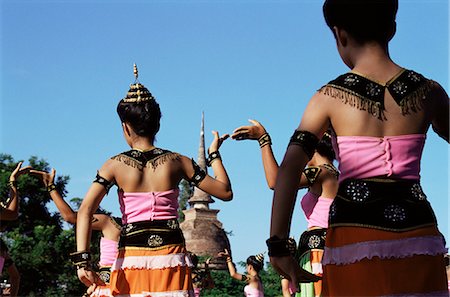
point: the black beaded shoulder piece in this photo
(408, 88)
(311, 173)
(331, 169)
(140, 159)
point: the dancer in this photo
(14, 276)
(382, 238)
(201, 278)
(108, 226)
(254, 265)
(9, 209)
(321, 178)
(152, 257)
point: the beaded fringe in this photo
(159, 160)
(416, 100)
(354, 100)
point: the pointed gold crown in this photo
(137, 93)
(260, 257)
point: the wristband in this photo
(51, 187)
(12, 184)
(81, 259)
(264, 140)
(212, 157)
(279, 247)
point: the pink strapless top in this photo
(316, 210)
(252, 292)
(148, 206)
(108, 251)
(367, 156)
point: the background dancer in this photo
(201, 278)
(152, 256)
(381, 225)
(321, 178)
(254, 265)
(9, 209)
(107, 225)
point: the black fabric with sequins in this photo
(151, 234)
(311, 240)
(408, 89)
(311, 173)
(388, 205)
(199, 174)
(307, 140)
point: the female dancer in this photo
(152, 257)
(9, 210)
(321, 178)
(382, 238)
(255, 264)
(201, 278)
(101, 222)
(14, 276)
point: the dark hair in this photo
(364, 20)
(257, 265)
(325, 147)
(194, 259)
(142, 116)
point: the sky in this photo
(66, 64)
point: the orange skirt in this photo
(101, 291)
(370, 262)
(156, 272)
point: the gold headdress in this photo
(137, 93)
(260, 257)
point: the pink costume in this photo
(392, 214)
(252, 292)
(108, 254)
(156, 263)
(316, 210)
(368, 156)
(148, 206)
(108, 251)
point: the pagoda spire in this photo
(201, 199)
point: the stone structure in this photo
(202, 230)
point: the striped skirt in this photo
(152, 262)
(383, 240)
(370, 262)
(142, 272)
(101, 291)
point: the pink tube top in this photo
(148, 206)
(108, 251)
(252, 292)
(316, 210)
(368, 156)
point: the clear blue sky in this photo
(66, 64)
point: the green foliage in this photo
(186, 191)
(37, 242)
(225, 285)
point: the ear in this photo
(126, 128)
(341, 36)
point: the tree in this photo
(37, 242)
